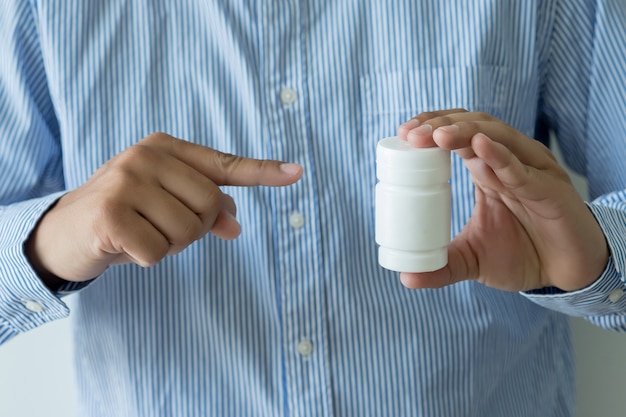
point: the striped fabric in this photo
(295, 317)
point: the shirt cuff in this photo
(25, 301)
(607, 295)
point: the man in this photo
(295, 317)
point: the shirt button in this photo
(288, 96)
(296, 220)
(305, 347)
(33, 306)
(615, 295)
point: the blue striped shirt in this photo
(295, 317)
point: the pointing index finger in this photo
(227, 169)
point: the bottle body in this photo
(413, 206)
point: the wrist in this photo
(50, 280)
(32, 253)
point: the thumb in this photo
(459, 268)
(435, 279)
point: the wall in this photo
(37, 374)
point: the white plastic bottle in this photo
(413, 203)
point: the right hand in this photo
(530, 229)
(152, 200)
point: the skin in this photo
(150, 201)
(530, 229)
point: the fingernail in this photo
(230, 214)
(423, 130)
(411, 124)
(291, 169)
(450, 129)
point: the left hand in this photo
(530, 228)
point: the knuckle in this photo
(190, 232)
(445, 120)
(208, 209)
(137, 155)
(174, 146)
(211, 198)
(440, 114)
(164, 143)
(227, 159)
(440, 121)
(427, 114)
(108, 211)
(481, 115)
(469, 125)
(424, 116)
(110, 217)
(158, 138)
(121, 178)
(155, 255)
(263, 165)
(228, 164)
(107, 223)
(119, 181)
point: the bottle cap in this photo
(400, 163)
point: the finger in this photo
(229, 205)
(199, 193)
(196, 191)
(434, 279)
(447, 126)
(529, 151)
(508, 169)
(421, 136)
(226, 169)
(447, 117)
(226, 226)
(429, 115)
(173, 219)
(133, 235)
(182, 227)
(524, 182)
(455, 132)
(183, 204)
(462, 265)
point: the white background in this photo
(37, 375)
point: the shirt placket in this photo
(297, 240)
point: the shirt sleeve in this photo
(30, 168)
(584, 100)
(603, 302)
